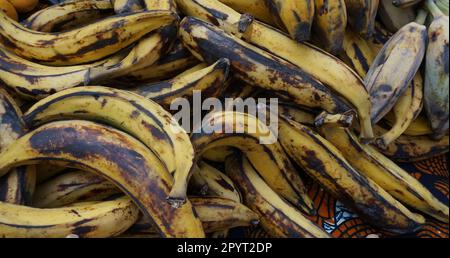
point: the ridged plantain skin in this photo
(257, 67)
(394, 68)
(177, 60)
(361, 15)
(325, 67)
(72, 187)
(296, 17)
(215, 213)
(89, 43)
(269, 159)
(277, 216)
(396, 181)
(117, 156)
(437, 76)
(413, 148)
(330, 23)
(325, 164)
(100, 219)
(209, 80)
(142, 118)
(68, 15)
(18, 186)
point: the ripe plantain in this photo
(296, 17)
(321, 65)
(117, 156)
(256, 8)
(396, 181)
(217, 154)
(269, 159)
(330, 23)
(101, 219)
(257, 67)
(68, 15)
(325, 164)
(394, 68)
(18, 186)
(72, 187)
(436, 73)
(209, 80)
(89, 43)
(142, 118)
(413, 148)
(358, 53)
(127, 6)
(418, 127)
(361, 15)
(277, 216)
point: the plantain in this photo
(436, 73)
(330, 23)
(361, 15)
(117, 156)
(325, 164)
(142, 118)
(18, 186)
(393, 179)
(257, 67)
(321, 65)
(128, 6)
(395, 18)
(68, 15)
(89, 43)
(257, 8)
(72, 187)
(244, 132)
(394, 68)
(418, 127)
(209, 80)
(405, 3)
(296, 17)
(277, 216)
(100, 219)
(357, 52)
(217, 154)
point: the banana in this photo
(238, 89)
(321, 65)
(48, 169)
(361, 15)
(405, 111)
(102, 219)
(72, 187)
(256, 8)
(160, 5)
(277, 216)
(297, 114)
(127, 6)
(68, 14)
(257, 67)
(436, 72)
(418, 127)
(269, 159)
(394, 68)
(358, 53)
(213, 182)
(89, 43)
(413, 148)
(405, 3)
(142, 118)
(443, 5)
(176, 61)
(120, 158)
(325, 164)
(18, 186)
(296, 17)
(396, 181)
(216, 214)
(209, 80)
(217, 154)
(395, 18)
(330, 23)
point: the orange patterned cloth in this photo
(339, 221)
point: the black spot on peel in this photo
(11, 118)
(360, 56)
(445, 58)
(135, 114)
(385, 88)
(83, 231)
(302, 31)
(225, 184)
(81, 222)
(154, 131)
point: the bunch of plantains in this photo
(90, 144)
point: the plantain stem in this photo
(433, 8)
(421, 16)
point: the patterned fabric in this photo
(340, 221)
